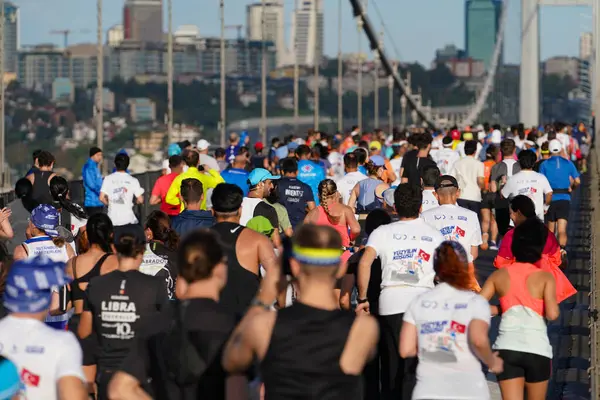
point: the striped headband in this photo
(323, 257)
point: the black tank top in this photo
(76, 292)
(41, 190)
(303, 358)
(242, 284)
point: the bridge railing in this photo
(594, 322)
(147, 180)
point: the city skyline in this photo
(445, 24)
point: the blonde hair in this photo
(327, 192)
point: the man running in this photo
(352, 177)
(430, 177)
(563, 177)
(295, 196)
(469, 173)
(309, 172)
(445, 158)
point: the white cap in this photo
(496, 136)
(165, 165)
(555, 146)
(202, 144)
(479, 128)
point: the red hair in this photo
(452, 268)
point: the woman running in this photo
(447, 328)
(527, 297)
(72, 215)
(160, 257)
(367, 195)
(333, 213)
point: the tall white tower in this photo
(274, 25)
(308, 41)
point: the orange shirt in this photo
(487, 171)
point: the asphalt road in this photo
(569, 335)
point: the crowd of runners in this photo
(319, 267)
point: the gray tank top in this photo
(367, 199)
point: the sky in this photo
(418, 27)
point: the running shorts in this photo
(517, 364)
(488, 201)
(558, 210)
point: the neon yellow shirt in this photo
(208, 182)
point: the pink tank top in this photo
(342, 230)
(519, 295)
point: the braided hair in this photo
(327, 193)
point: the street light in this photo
(263, 119)
(170, 72)
(376, 80)
(223, 100)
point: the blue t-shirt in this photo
(238, 177)
(312, 174)
(281, 152)
(558, 171)
(294, 195)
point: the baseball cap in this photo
(445, 181)
(555, 146)
(165, 165)
(30, 282)
(261, 224)
(455, 135)
(259, 175)
(467, 136)
(377, 160)
(375, 145)
(388, 196)
(173, 149)
(202, 144)
(258, 146)
(45, 218)
(10, 381)
(292, 145)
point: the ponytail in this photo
(327, 191)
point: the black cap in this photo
(446, 181)
(94, 151)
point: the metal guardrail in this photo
(594, 324)
(147, 180)
(7, 197)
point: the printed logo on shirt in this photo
(433, 327)
(29, 378)
(118, 313)
(441, 341)
(460, 306)
(423, 256)
(453, 232)
(461, 218)
(35, 349)
(307, 168)
(404, 254)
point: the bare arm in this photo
(311, 205)
(364, 275)
(125, 387)
(550, 303)
(103, 198)
(6, 230)
(352, 223)
(269, 286)
(71, 388)
(475, 252)
(247, 341)
(85, 325)
(154, 200)
(548, 198)
(311, 217)
(481, 182)
(20, 253)
(480, 343)
(353, 197)
(408, 340)
(489, 290)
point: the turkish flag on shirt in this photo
(29, 378)
(423, 255)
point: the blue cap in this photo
(45, 217)
(30, 282)
(10, 382)
(292, 145)
(377, 160)
(259, 175)
(174, 150)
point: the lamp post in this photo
(317, 60)
(376, 81)
(170, 72)
(359, 94)
(223, 100)
(340, 71)
(263, 119)
(296, 71)
(99, 81)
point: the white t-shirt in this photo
(466, 171)
(346, 183)
(396, 164)
(429, 200)
(531, 184)
(460, 148)
(457, 224)
(405, 249)
(42, 354)
(445, 159)
(205, 159)
(337, 164)
(442, 317)
(121, 189)
(564, 139)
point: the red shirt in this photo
(160, 189)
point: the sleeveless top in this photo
(76, 292)
(242, 285)
(367, 198)
(323, 219)
(303, 357)
(41, 190)
(522, 327)
(157, 262)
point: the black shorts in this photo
(558, 210)
(488, 201)
(474, 206)
(517, 364)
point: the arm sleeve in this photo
(480, 309)
(409, 315)
(156, 190)
(574, 173)
(173, 192)
(284, 221)
(480, 170)
(105, 188)
(70, 359)
(376, 238)
(91, 180)
(546, 188)
(507, 189)
(216, 177)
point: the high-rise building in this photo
(115, 35)
(11, 37)
(482, 20)
(143, 20)
(41, 65)
(586, 45)
(308, 42)
(274, 25)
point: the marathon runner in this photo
(353, 176)
(430, 177)
(489, 228)
(294, 195)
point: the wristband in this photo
(362, 301)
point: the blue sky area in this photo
(418, 27)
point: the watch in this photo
(362, 301)
(256, 302)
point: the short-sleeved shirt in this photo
(346, 183)
(507, 167)
(467, 171)
(442, 317)
(559, 171)
(414, 166)
(253, 207)
(282, 216)
(160, 189)
(531, 184)
(238, 177)
(312, 174)
(43, 355)
(121, 189)
(294, 195)
(124, 305)
(429, 200)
